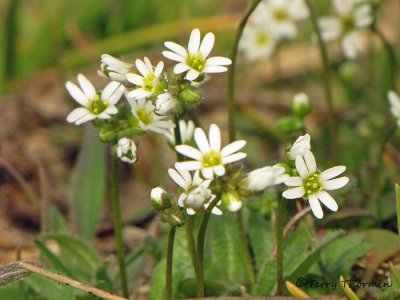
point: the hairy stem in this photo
(326, 76)
(170, 249)
(280, 245)
(190, 239)
(231, 75)
(116, 209)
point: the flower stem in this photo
(116, 209)
(200, 249)
(280, 245)
(190, 238)
(170, 249)
(231, 75)
(326, 76)
(178, 137)
(247, 257)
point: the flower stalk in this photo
(170, 252)
(116, 209)
(326, 76)
(280, 245)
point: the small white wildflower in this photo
(209, 158)
(312, 184)
(143, 111)
(258, 42)
(300, 146)
(95, 105)
(186, 129)
(351, 18)
(394, 101)
(262, 178)
(148, 79)
(281, 16)
(196, 195)
(114, 68)
(126, 150)
(165, 104)
(231, 200)
(157, 196)
(194, 60)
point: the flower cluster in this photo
(153, 94)
(351, 16)
(271, 22)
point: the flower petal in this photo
(201, 140)
(109, 90)
(173, 56)
(327, 200)
(301, 166)
(219, 170)
(176, 48)
(215, 69)
(294, 181)
(234, 157)
(214, 136)
(218, 61)
(335, 184)
(140, 65)
(194, 41)
(159, 68)
(294, 193)
(86, 118)
(178, 179)
(76, 114)
(87, 87)
(77, 94)
(207, 44)
(207, 173)
(192, 75)
(332, 172)
(232, 147)
(216, 211)
(189, 151)
(315, 206)
(180, 68)
(135, 79)
(190, 165)
(310, 162)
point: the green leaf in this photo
(212, 288)
(88, 185)
(13, 291)
(398, 207)
(79, 257)
(49, 289)
(224, 258)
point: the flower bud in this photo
(107, 135)
(260, 179)
(290, 124)
(165, 104)
(126, 150)
(231, 200)
(301, 106)
(189, 95)
(158, 196)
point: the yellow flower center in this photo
(97, 106)
(348, 23)
(148, 82)
(211, 159)
(281, 14)
(196, 61)
(262, 39)
(145, 116)
(312, 184)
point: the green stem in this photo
(200, 249)
(231, 75)
(178, 137)
(190, 238)
(390, 54)
(326, 76)
(116, 209)
(247, 257)
(170, 249)
(280, 245)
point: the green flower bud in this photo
(189, 95)
(301, 106)
(290, 124)
(231, 200)
(158, 198)
(108, 134)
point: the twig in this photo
(68, 281)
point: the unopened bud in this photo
(231, 200)
(108, 135)
(189, 95)
(158, 196)
(301, 106)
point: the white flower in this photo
(209, 158)
(312, 184)
(300, 146)
(258, 42)
(351, 18)
(260, 179)
(231, 200)
(143, 111)
(95, 105)
(165, 103)
(394, 105)
(126, 150)
(114, 68)
(147, 81)
(157, 196)
(281, 16)
(186, 129)
(194, 60)
(196, 195)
